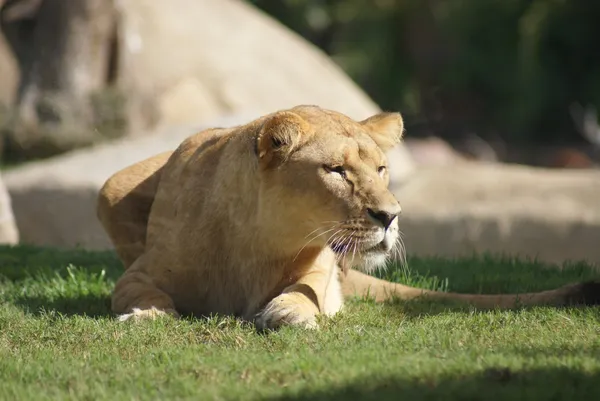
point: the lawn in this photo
(58, 340)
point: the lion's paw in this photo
(143, 314)
(288, 309)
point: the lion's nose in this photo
(385, 217)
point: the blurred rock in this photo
(472, 147)
(557, 157)
(570, 158)
(9, 81)
(549, 214)
(189, 61)
(55, 109)
(8, 228)
(432, 151)
(9, 74)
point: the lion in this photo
(277, 222)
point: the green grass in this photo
(58, 340)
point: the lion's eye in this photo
(381, 170)
(336, 170)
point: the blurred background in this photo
(499, 98)
(518, 80)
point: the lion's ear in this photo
(280, 135)
(386, 129)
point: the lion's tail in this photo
(124, 204)
(359, 284)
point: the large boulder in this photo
(549, 214)
(9, 76)
(193, 60)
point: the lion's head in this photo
(324, 177)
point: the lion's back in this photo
(128, 197)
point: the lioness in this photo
(258, 220)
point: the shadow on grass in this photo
(43, 280)
(89, 305)
(493, 384)
(25, 261)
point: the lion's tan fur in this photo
(220, 225)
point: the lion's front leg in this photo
(290, 308)
(136, 297)
(316, 292)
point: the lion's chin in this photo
(367, 261)
(372, 260)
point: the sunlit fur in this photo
(265, 221)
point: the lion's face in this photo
(326, 177)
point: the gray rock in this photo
(9, 74)
(192, 61)
(9, 235)
(552, 215)
(432, 151)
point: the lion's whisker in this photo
(402, 249)
(340, 242)
(321, 228)
(343, 251)
(354, 250)
(311, 240)
(333, 238)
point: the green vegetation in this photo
(58, 340)
(511, 68)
